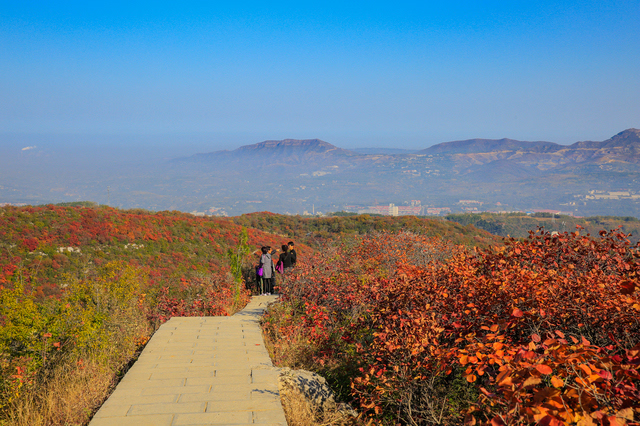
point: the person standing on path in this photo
(293, 254)
(273, 269)
(284, 266)
(259, 270)
(267, 269)
(286, 257)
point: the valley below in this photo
(298, 176)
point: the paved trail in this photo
(200, 371)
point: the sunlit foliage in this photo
(315, 231)
(87, 286)
(540, 331)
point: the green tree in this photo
(237, 257)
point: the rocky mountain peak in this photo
(315, 145)
(627, 136)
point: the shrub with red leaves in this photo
(544, 330)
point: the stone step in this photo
(200, 371)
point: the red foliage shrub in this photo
(541, 330)
(198, 297)
(30, 243)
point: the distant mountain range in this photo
(488, 157)
(623, 147)
(584, 178)
(620, 150)
(516, 174)
(384, 151)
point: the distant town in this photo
(412, 208)
(416, 207)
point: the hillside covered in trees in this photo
(419, 321)
(316, 230)
(518, 225)
(82, 288)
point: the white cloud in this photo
(26, 148)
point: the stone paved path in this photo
(200, 371)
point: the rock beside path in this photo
(316, 393)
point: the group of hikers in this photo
(268, 266)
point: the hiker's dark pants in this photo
(268, 284)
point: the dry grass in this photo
(300, 412)
(292, 350)
(69, 398)
(77, 384)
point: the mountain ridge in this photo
(293, 175)
(486, 160)
(627, 138)
(477, 145)
(273, 153)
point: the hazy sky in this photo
(396, 74)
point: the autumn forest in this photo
(411, 320)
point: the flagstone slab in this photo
(200, 371)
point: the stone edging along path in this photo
(200, 371)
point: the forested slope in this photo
(40, 244)
(316, 230)
(83, 288)
(518, 225)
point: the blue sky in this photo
(394, 74)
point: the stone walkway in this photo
(200, 371)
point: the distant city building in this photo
(611, 195)
(435, 211)
(409, 210)
(391, 210)
(386, 210)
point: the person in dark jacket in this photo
(293, 254)
(286, 257)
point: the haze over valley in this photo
(298, 176)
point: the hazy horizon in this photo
(96, 98)
(174, 145)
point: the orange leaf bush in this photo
(544, 330)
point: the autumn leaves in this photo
(544, 330)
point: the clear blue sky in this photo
(395, 74)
